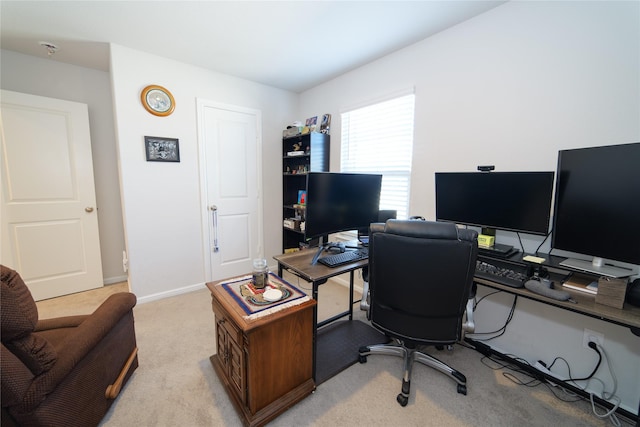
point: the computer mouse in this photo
(546, 282)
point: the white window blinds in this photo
(378, 138)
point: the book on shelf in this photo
(582, 284)
(292, 223)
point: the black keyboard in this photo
(502, 275)
(344, 258)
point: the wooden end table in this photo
(265, 364)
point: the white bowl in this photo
(272, 295)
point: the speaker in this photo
(384, 215)
(633, 293)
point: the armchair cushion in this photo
(35, 352)
(19, 318)
(80, 341)
(14, 386)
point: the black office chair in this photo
(420, 283)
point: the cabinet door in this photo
(222, 345)
(237, 371)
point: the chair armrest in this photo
(469, 324)
(364, 302)
(86, 336)
(60, 322)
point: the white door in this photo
(49, 218)
(231, 172)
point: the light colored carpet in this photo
(175, 384)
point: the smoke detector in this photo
(50, 47)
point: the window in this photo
(378, 138)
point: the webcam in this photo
(486, 168)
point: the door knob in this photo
(88, 209)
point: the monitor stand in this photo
(597, 266)
(318, 253)
(340, 247)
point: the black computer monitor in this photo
(340, 202)
(597, 207)
(512, 201)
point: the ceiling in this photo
(292, 45)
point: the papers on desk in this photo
(582, 284)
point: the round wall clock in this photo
(157, 100)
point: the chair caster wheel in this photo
(462, 389)
(402, 399)
(362, 359)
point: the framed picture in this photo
(162, 149)
(326, 122)
(311, 124)
(302, 197)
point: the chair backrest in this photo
(420, 276)
(18, 319)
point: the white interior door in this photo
(232, 193)
(49, 217)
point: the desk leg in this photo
(314, 295)
(351, 276)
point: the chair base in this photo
(409, 355)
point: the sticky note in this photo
(535, 259)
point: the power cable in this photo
(501, 330)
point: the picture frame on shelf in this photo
(160, 149)
(302, 197)
(311, 123)
(325, 124)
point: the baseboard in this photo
(345, 283)
(171, 293)
(112, 280)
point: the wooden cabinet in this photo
(301, 154)
(265, 364)
(230, 354)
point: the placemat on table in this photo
(251, 301)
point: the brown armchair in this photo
(65, 371)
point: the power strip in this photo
(540, 367)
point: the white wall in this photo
(46, 77)
(510, 88)
(161, 201)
